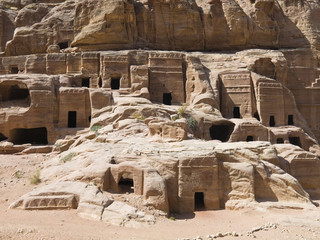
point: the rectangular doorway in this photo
(72, 119)
(199, 201)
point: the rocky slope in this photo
(143, 132)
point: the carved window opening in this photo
(280, 140)
(100, 82)
(295, 141)
(272, 122)
(249, 138)
(290, 120)
(115, 83)
(2, 137)
(85, 82)
(14, 70)
(36, 136)
(126, 185)
(167, 98)
(63, 45)
(199, 201)
(89, 119)
(236, 112)
(72, 119)
(221, 132)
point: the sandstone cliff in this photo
(169, 25)
(174, 104)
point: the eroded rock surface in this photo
(140, 124)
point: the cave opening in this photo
(14, 94)
(126, 185)
(115, 83)
(280, 140)
(199, 201)
(63, 45)
(18, 92)
(221, 132)
(2, 137)
(85, 82)
(167, 98)
(249, 138)
(295, 141)
(35, 136)
(14, 70)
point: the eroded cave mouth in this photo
(295, 141)
(167, 98)
(14, 94)
(35, 136)
(126, 185)
(2, 137)
(221, 132)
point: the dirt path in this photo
(15, 171)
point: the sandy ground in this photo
(15, 171)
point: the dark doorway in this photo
(100, 82)
(89, 119)
(14, 70)
(85, 82)
(249, 139)
(272, 122)
(2, 137)
(256, 116)
(37, 136)
(221, 132)
(236, 112)
(199, 201)
(290, 120)
(126, 185)
(167, 98)
(295, 141)
(280, 140)
(115, 83)
(63, 45)
(72, 119)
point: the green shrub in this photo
(182, 111)
(139, 116)
(95, 128)
(172, 218)
(192, 123)
(68, 157)
(35, 179)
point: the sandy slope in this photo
(15, 171)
